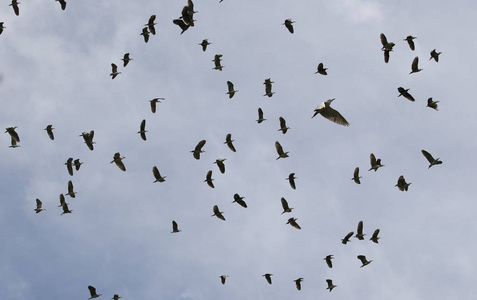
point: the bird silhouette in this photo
(331, 286)
(154, 102)
(291, 178)
(286, 208)
(321, 69)
(209, 179)
(289, 25)
(175, 228)
(435, 55)
(360, 235)
(432, 161)
(260, 116)
(181, 24)
(49, 131)
(268, 87)
(293, 223)
(198, 149)
(126, 59)
(117, 159)
(204, 44)
(150, 24)
(231, 91)
(62, 3)
(281, 153)
(356, 176)
(114, 71)
(14, 5)
(142, 130)
(239, 200)
(93, 293)
(157, 175)
(283, 125)
(329, 113)
(363, 260)
(220, 164)
(268, 277)
(39, 206)
(69, 166)
(402, 184)
(328, 259)
(405, 93)
(345, 240)
(375, 163)
(217, 62)
(66, 209)
(298, 283)
(414, 65)
(432, 104)
(410, 41)
(375, 237)
(222, 278)
(218, 213)
(71, 191)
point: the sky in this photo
(55, 70)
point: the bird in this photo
(229, 142)
(435, 55)
(331, 286)
(281, 153)
(298, 283)
(77, 164)
(360, 235)
(157, 175)
(71, 191)
(431, 159)
(345, 240)
(268, 87)
(328, 259)
(66, 209)
(283, 125)
(292, 222)
(410, 41)
(114, 71)
(404, 92)
(331, 114)
(49, 131)
(363, 260)
(375, 237)
(286, 208)
(414, 66)
(218, 213)
(126, 59)
(209, 179)
(356, 176)
(116, 297)
(117, 159)
(175, 229)
(375, 163)
(63, 4)
(145, 34)
(217, 63)
(11, 131)
(198, 149)
(150, 24)
(289, 25)
(187, 14)
(69, 166)
(222, 278)
(154, 102)
(142, 130)
(321, 69)
(204, 44)
(260, 116)
(39, 207)
(14, 5)
(432, 104)
(2, 27)
(291, 178)
(231, 91)
(62, 200)
(239, 200)
(268, 277)
(220, 164)
(88, 139)
(386, 45)
(93, 293)
(181, 24)
(402, 184)
(386, 55)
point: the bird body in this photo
(217, 62)
(77, 164)
(239, 200)
(88, 139)
(298, 283)
(117, 159)
(405, 93)
(222, 278)
(62, 3)
(329, 113)
(286, 208)
(289, 25)
(268, 277)
(218, 213)
(157, 175)
(49, 131)
(433, 161)
(13, 134)
(402, 184)
(363, 260)
(204, 44)
(198, 149)
(268, 87)
(62, 200)
(181, 24)
(293, 223)
(71, 191)
(145, 34)
(66, 209)
(387, 46)
(175, 228)
(321, 69)
(2, 27)
(116, 297)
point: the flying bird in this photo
(331, 114)
(198, 149)
(229, 142)
(414, 66)
(321, 69)
(126, 59)
(39, 207)
(77, 164)
(88, 139)
(63, 4)
(217, 62)
(375, 237)
(230, 87)
(435, 55)
(222, 278)
(283, 125)
(220, 164)
(292, 222)
(404, 92)
(93, 293)
(291, 178)
(432, 104)
(150, 24)
(431, 159)
(298, 283)
(116, 297)
(71, 191)
(260, 116)
(402, 184)
(218, 213)
(2, 27)
(331, 286)
(281, 153)
(410, 41)
(204, 44)
(268, 277)
(181, 24)
(268, 87)
(209, 179)
(157, 175)
(239, 200)
(117, 159)
(356, 176)
(154, 102)
(387, 46)
(14, 5)
(114, 71)
(286, 208)
(49, 131)
(360, 235)
(142, 130)
(66, 209)
(62, 200)
(345, 240)
(69, 166)
(363, 260)
(289, 25)
(328, 259)
(11, 131)
(145, 34)
(187, 14)
(375, 163)
(175, 228)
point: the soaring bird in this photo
(283, 125)
(217, 62)
(69, 166)
(209, 179)
(268, 87)
(410, 41)
(63, 4)
(175, 228)
(435, 55)
(375, 237)
(387, 46)
(114, 71)
(331, 286)
(286, 208)
(77, 164)
(321, 69)
(431, 159)
(363, 260)
(414, 66)
(298, 283)
(71, 191)
(62, 200)
(291, 178)
(328, 259)
(229, 142)
(154, 102)
(117, 159)
(375, 163)
(88, 139)
(93, 293)
(218, 213)
(289, 25)
(404, 92)
(360, 235)
(126, 59)
(292, 222)
(402, 184)
(2, 27)
(66, 209)
(268, 277)
(38, 206)
(150, 24)
(11, 131)
(356, 176)
(198, 149)
(222, 278)
(432, 104)
(116, 297)
(14, 5)
(145, 34)
(345, 240)
(157, 175)
(142, 130)
(281, 153)
(331, 114)
(220, 164)
(239, 200)
(230, 87)
(49, 131)
(204, 44)
(260, 116)
(181, 24)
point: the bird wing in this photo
(372, 160)
(156, 173)
(285, 204)
(174, 226)
(38, 204)
(428, 156)
(360, 227)
(415, 63)
(92, 290)
(334, 116)
(384, 40)
(279, 148)
(200, 145)
(375, 234)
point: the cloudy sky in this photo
(55, 70)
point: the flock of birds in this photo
(185, 21)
